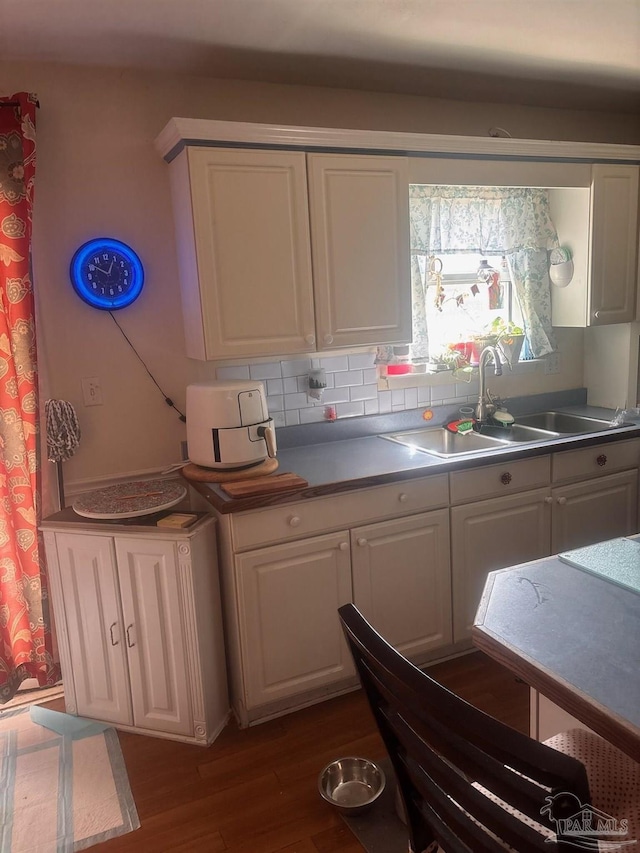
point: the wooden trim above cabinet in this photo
(181, 132)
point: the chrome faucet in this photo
(484, 406)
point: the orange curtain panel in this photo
(25, 635)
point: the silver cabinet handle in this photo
(294, 521)
(596, 314)
(562, 501)
(129, 643)
(403, 498)
(362, 541)
(328, 339)
(343, 546)
(112, 626)
(548, 500)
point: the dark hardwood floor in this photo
(255, 790)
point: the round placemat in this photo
(126, 500)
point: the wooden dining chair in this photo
(469, 783)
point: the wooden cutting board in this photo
(264, 485)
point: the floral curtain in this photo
(25, 636)
(514, 222)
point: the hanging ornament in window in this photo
(435, 275)
(491, 277)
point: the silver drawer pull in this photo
(403, 498)
(294, 521)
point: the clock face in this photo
(107, 274)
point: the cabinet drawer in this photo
(493, 480)
(303, 518)
(595, 461)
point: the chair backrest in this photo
(441, 745)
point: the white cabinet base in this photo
(139, 624)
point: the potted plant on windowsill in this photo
(509, 338)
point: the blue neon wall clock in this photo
(106, 274)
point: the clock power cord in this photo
(167, 399)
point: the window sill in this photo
(448, 377)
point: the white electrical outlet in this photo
(92, 391)
(552, 363)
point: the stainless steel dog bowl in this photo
(351, 784)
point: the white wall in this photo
(98, 174)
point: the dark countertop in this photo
(572, 635)
(335, 466)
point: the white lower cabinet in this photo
(402, 580)
(594, 510)
(396, 572)
(489, 535)
(526, 524)
(140, 628)
(288, 601)
(286, 646)
(413, 556)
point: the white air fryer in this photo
(228, 425)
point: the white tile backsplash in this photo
(267, 370)
(365, 392)
(439, 393)
(296, 367)
(236, 371)
(275, 403)
(296, 401)
(352, 388)
(424, 395)
(338, 362)
(349, 410)
(312, 416)
(336, 395)
(274, 386)
(348, 377)
(361, 361)
(411, 398)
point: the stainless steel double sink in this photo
(542, 426)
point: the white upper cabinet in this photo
(360, 238)
(600, 226)
(242, 227)
(245, 249)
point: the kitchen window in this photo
(479, 254)
(468, 296)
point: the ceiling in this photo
(564, 53)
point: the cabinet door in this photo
(154, 635)
(594, 510)
(402, 580)
(490, 535)
(360, 235)
(288, 600)
(95, 629)
(614, 244)
(249, 291)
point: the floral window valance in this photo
(515, 222)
